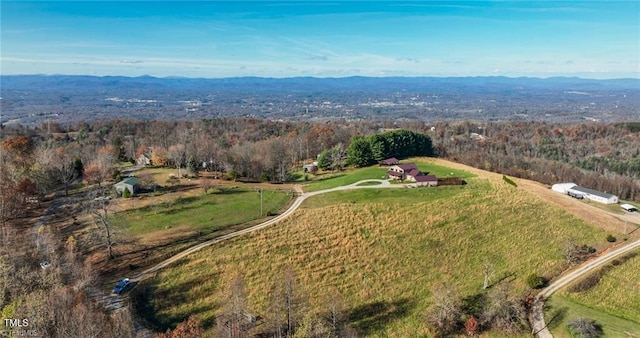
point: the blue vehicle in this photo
(121, 286)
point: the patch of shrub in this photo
(585, 328)
(509, 181)
(588, 282)
(536, 282)
(610, 238)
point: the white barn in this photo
(563, 188)
(594, 195)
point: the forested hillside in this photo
(600, 156)
(596, 155)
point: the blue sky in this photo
(591, 39)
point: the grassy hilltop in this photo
(384, 251)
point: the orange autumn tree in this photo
(190, 328)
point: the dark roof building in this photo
(389, 161)
(426, 178)
(407, 167)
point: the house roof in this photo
(407, 166)
(392, 160)
(414, 172)
(129, 180)
(394, 173)
(593, 192)
(426, 178)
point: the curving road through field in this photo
(537, 315)
(292, 208)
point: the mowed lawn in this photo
(351, 175)
(614, 302)
(385, 250)
(205, 213)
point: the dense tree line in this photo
(367, 150)
(594, 155)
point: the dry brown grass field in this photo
(389, 249)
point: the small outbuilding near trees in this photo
(594, 195)
(129, 183)
(576, 191)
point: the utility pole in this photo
(260, 201)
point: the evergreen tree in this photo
(359, 152)
(324, 160)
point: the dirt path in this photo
(292, 208)
(539, 325)
(596, 216)
(614, 223)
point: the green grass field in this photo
(350, 176)
(614, 302)
(568, 309)
(386, 247)
(204, 213)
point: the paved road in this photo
(539, 325)
(292, 208)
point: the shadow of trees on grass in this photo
(372, 317)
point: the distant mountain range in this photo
(29, 99)
(58, 82)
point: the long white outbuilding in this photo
(580, 192)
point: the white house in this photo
(594, 195)
(143, 160)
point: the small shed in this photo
(628, 207)
(130, 183)
(310, 168)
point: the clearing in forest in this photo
(382, 250)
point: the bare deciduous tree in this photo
(444, 315)
(63, 168)
(585, 328)
(488, 271)
(335, 313)
(236, 318)
(287, 305)
(99, 208)
(504, 312)
(575, 253)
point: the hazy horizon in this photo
(330, 77)
(585, 39)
